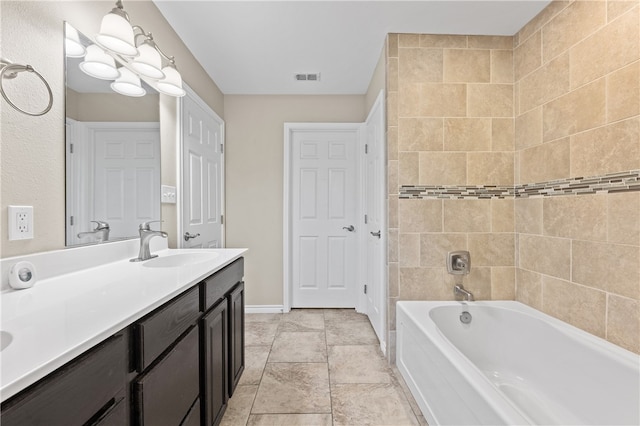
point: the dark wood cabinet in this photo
(81, 392)
(177, 366)
(215, 331)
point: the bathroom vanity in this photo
(164, 348)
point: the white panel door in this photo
(202, 143)
(375, 230)
(323, 217)
(127, 177)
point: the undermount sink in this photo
(179, 259)
(5, 340)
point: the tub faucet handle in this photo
(459, 262)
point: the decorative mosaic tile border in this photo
(611, 183)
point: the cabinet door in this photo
(165, 393)
(236, 335)
(214, 328)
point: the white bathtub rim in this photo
(474, 376)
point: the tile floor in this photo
(317, 367)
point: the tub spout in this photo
(460, 290)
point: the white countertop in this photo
(63, 316)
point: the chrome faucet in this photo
(99, 234)
(145, 237)
(460, 290)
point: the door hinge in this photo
(70, 148)
(221, 219)
(71, 220)
(365, 289)
(366, 148)
(221, 148)
(366, 219)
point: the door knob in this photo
(349, 228)
(188, 236)
(375, 234)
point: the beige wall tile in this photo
(542, 18)
(467, 216)
(477, 282)
(624, 218)
(391, 321)
(502, 66)
(616, 8)
(528, 56)
(581, 217)
(467, 134)
(393, 211)
(570, 26)
(612, 47)
(580, 306)
(528, 213)
(407, 103)
(502, 134)
(393, 245)
(545, 162)
(623, 322)
(502, 215)
(394, 279)
(466, 65)
(544, 84)
(546, 255)
(623, 93)
(436, 40)
(442, 100)
(494, 249)
(423, 284)
(490, 168)
(579, 110)
(392, 74)
(490, 100)
(420, 134)
(418, 65)
(503, 283)
(392, 177)
(434, 248)
(420, 215)
(490, 42)
(409, 250)
(529, 129)
(408, 40)
(392, 108)
(529, 288)
(392, 45)
(443, 168)
(608, 267)
(609, 149)
(392, 143)
(408, 169)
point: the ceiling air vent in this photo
(307, 77)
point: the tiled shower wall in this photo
(474, 121)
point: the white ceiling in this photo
(256, 47)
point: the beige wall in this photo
(32, 148)
(559, 100)
(378, 81)
(577, 69)
(254, 159)
(111, 107)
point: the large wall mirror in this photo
(112, 151)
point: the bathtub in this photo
(512, 365)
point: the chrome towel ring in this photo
(9, 70)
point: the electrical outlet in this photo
(20, 222)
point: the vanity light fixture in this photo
(128, 83)
(72, 46)
(98, 64)
(139, 52)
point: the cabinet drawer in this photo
(166, 392)
(76, 392)
(158, 331)
(193, 417)
(217, 285)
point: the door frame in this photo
(180, 159)
(287, 244)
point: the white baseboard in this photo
(263, 309)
